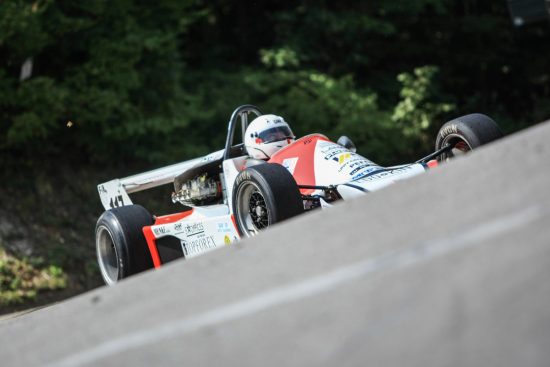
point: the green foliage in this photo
(22, 279)
(320, 103)
(140, 80)
(279, 58)
(419, 106)
(38, 99)
(106, 67)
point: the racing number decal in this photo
(113, 195)
(116, 202)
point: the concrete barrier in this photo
(450, 268)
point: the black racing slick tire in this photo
(121, 246)
(263, 195)
(466, 133)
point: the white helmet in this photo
(266, 135)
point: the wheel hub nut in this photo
(259, 211)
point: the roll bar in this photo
(242, 112)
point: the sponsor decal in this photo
(102, 189)
(383, 174)
(360, 167)
(290, 164)
(276, 120)
(210, 157)
(333, 151)
(227, 240)
(451, 129)
(244, 175)
(363, 174)
(178, 227)
(342, 158)
(356, 165)
(160, 231)
(198, 245)
(193, 229)
(224, 227)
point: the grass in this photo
(22, 279)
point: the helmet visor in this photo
(276, 134)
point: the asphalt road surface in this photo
(451, 268)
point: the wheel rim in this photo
(107, 255)
(459, 145)
(252, 214)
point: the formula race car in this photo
(267, 177)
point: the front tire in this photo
(466, 133)
(120, 244)
(263, 195)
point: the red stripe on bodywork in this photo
(172, 217)
(304, 150)
(432, 164)
(150, 236)
(234, 223)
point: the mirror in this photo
(346, 143)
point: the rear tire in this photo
(263, 195)
(120, 244)
(466, 133)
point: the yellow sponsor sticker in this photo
(342, 158)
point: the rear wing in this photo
(114, 193)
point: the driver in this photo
(266, 135)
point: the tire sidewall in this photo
(475, 129)
(251, 175)
(124, 225)
(277, 186)
(454, 129)
(110, 222)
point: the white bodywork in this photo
(351, 173)
(203, 230)
(335, 165)
(213, 226)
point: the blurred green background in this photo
(94, 90)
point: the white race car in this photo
(227, 194)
